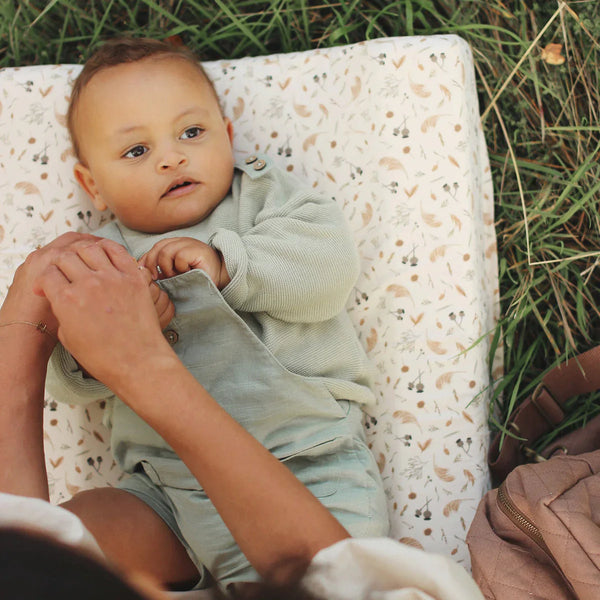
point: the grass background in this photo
(540, 120)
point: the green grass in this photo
(540, 120)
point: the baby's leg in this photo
(133, 536)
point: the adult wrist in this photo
(39, 325)
(28, 308)
(136, 383)
(32, 346)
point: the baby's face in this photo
(155, 147)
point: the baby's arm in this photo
(298, 262)
(181, 254)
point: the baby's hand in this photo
(173, 256)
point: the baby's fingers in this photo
(190, 257)
(158, 260)
(148, 259)
(174, 258)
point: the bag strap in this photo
(542, 411)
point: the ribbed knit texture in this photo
(292, 262)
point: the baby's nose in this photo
(172, 160)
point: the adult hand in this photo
(105, 311)
(165, 309)
(21, 304)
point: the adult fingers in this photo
(165, 309)
(50, 283)
(155, 291)
(39, 259)
(147, 275)
(71, 265)
(119, 257)
(94, 256)
(70, 238)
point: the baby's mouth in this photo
(180, 188)
(180, 185)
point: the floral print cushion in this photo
(390, 129)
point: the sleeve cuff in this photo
(66, 383)
(230, 245)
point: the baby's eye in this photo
(136, 152)
(191, 132)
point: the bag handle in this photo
(542, 411)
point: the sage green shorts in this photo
(341, 473)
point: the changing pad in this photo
(390, 129)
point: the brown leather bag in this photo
(537, 537)
(543, 411)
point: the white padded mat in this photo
(390, 129)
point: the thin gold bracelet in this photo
(40, 326)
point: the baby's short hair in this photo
(120, 51)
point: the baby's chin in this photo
(172, 224)
(158, 229)
(171, 214)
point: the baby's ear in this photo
(229, 127)
(87, 182)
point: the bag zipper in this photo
(528, 527)
(519, 519)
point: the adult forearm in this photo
(24, 353)
(276, 521)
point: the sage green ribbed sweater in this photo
(292, 262)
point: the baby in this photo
(259, 268)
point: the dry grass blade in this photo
(525, 56)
